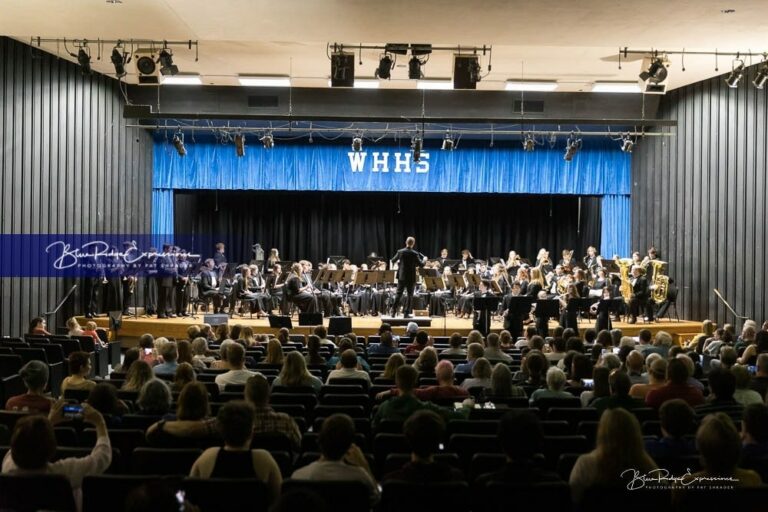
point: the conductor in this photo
(408, 260)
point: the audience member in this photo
(322, 333)
(131, 355)
(760, 380)
(493, 353)
(657, 372)
(266, 419)
(37, 327)
(474, 352)
(34, 374)
(754, 432)
(635, 364)
(425, 431)
(79, 370)
(33, 447)
(502, 385)
(103, 398)
(555, 385)
(73, 327)
(558, 351)
(676, 387)
(481, 375)
(294, 373)
(619, 450)
(139, 374)
(744, 394)
(349, 368)
(677, 421)
(236, 459)
(313, 356)
(170, 354)
(345, 344)
(427, 361)
(154, 398)
(341, 459)
(274, 352)
(394, 362)
(419, 343)
(600, 386)
(191, 420)
(147, 348)
(580, 368)
(620, 384)
(385, 346)
(722, 386)
(201, 359)
(183, 376)
(237, 373)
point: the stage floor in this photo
(362, 326)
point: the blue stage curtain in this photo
(598, 170)
(162, 216)
(616, 227)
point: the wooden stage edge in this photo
(132, 328)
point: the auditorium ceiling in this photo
(575, 43)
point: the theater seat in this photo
(640, 500)
(346, 496)
(163, 461)
(230, 494)
(22, 493)
(395, 461)
(501, 497)
(399, 496)
(110, 489)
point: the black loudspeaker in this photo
(280, 321)
(310, 319)
(343, 70)
(115, 320)
(214, 320)
(338, 325)
(466, 72)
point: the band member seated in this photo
(324, 301)
(297, 294)
(210, 285)
(466, 259)
(640, 294)
(592, 261)
(443, 257)
(407, 259)
(543, 262)
(537, 284)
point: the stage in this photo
(132, 328)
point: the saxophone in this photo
(660, 282)
(625, 264)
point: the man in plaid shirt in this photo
(267, 420)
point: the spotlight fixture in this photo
(178, 143)
(357, 143)
(166, 63)
(119, 60)
(384, 71)
(762, 75)
(342, 69)
(656, 73)
(552, 140)
(627, 144)
(268, 140)
(416, 144)
(572, 146)
(466, 71)
(448, 143)
(414, 68)
(240, 144)
(529, 142)
(84, 59)
(736, 74)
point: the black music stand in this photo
(483, 308)
(580, 305)
(280, 321)
(115, 322)
(310, 319)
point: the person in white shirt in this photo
(237, 373)
(348, 368)
(33, 447)
(493, 352)
(341, 459)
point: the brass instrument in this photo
(625, 264)
(659, 282)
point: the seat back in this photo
(163, 461)
(346, 496)
(397, 496)
(241, 494)
(497, 496)
(10, 364)
(101, 489)
(22, 493)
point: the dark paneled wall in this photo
(68, 165)
(700, 197)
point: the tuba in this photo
(659, 283)
(625, 264)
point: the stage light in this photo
(656, 72)
(268, 140)
(529, 143)
(572, 146)
(416, 145)
(166, 63)
(762, 76)
(84, 59)
(627, 144)
(448, 143)
(414, 68)
(178, 143)
(384, 71)
(342, 69)
(735, 76)
(119, 60)
(240, 144)
(357, 143)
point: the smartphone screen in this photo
(147, 351)
(588, 383)
(72, 410)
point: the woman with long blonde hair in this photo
(274, 352)
(295, 374)
(394, 362)
(139, 373)
(537, 282)
(618, 454)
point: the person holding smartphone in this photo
(33, 446)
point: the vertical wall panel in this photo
(68, 164)
(701, 197)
